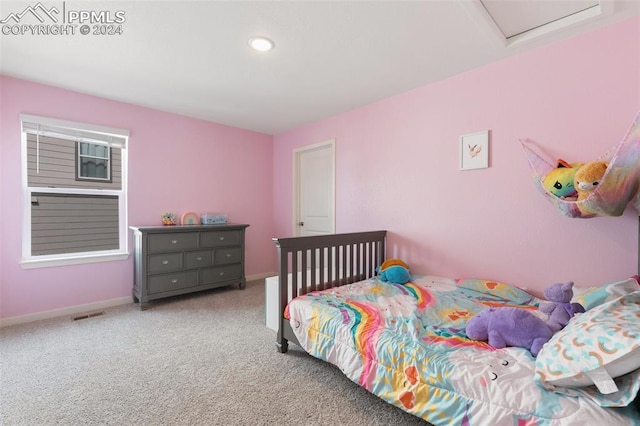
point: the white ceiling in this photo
(192, 57)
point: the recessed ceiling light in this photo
(261, 44)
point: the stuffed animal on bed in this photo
(502, 327)
(395, 271)
(560, 181)
(559, 306)
(588, 177)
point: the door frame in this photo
(331, 143)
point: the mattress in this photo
(407, 345)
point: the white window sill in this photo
(74, 259)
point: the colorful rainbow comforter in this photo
(406, 344)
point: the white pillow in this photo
(594, 296)
(594, 348)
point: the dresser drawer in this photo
(220, 273)
(168, 282)
(173, 241)
(159, 263)
(229, 255)
(220, 238)
(198, 259)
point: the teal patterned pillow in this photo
(594, 348)
(496, 290)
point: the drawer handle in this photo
(221, 273)
(199, 258)
(221, 238)
(165, 262)
(174, 281)
(228, 254)
(174, 241)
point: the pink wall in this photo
(397, 169)
(397, 165)
(175, 164)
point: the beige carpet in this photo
(202, 359)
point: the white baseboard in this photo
(72, 310)
(89, 307)
(261, 276)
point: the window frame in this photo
(79, 157)
(78, 132)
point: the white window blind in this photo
(82, 132)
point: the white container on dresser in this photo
(173, 260)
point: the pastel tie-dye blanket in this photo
(407, 345)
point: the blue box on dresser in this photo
(213, 218)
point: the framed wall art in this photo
(474, 151)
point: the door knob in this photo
(300, 223)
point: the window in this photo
(93, 161)
(74, 182)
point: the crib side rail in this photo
(311, 263)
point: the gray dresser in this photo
(172, 260)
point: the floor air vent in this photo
(95, 314)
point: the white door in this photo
(314, 189)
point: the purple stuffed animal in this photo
(559, 307)
(503, 327)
